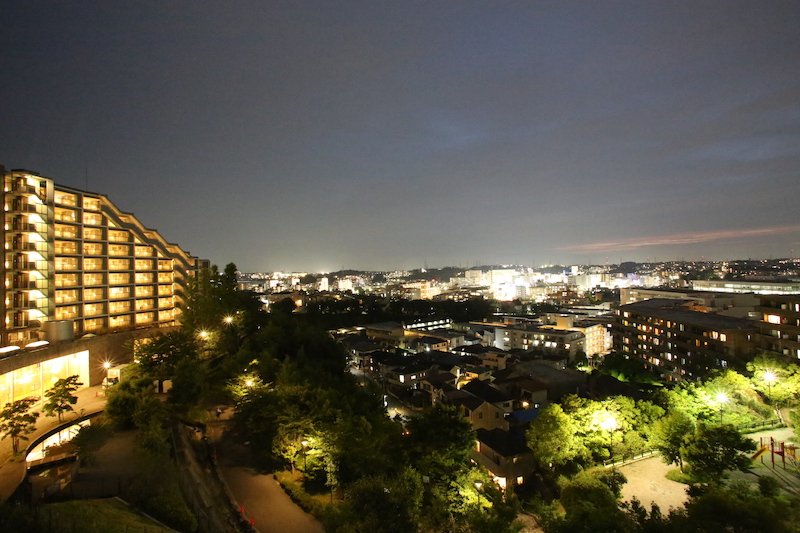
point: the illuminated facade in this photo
(74, 255)
(780, 325)
(679, 343)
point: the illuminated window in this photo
(117, 236)
(66, 232)
(144, 277)
(67, 263)
(119, 307)
(119, 264)
(92, 294)
(119, 279)
(93, 309)
(144, 305)
(144, 290)
(119, 249)
(66, 297)
(119, 292)
(92, 248)
(92, 263)
(93, 219)
(92, 279)
(66, 247)
(92, 204)
(66, 313)
(119, 321)
(773, 319)
(66, 280)
(93, 234)
(65, 198)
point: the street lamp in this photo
(609, 423)
(304, 443)
(722, 399)
(769, 379)
(228, 320)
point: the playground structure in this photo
(774, 448)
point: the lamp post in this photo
(769, 379)
(722, 399)
(304, 443)
(610, 424)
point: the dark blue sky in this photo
(319, 135)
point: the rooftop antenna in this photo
(86, 177)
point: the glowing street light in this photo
(304, 443)
(106, 364)
(722, 399)
(228, 319)
(609, 423)
(769, 379)
(203, 334)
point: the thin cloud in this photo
(679, 238)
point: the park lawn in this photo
(101, 516)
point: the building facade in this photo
(73, 258)
(780, 324)
(680, 343)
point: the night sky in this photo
(374, 135)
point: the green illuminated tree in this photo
(60, 397)
(552, 438)
(16, 421)
(711, 450)
(671, 434)
(777, 379)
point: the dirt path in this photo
(647, 481)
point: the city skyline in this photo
(376, 136)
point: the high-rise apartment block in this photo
(74, 256)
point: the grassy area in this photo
(101, 516)
(317, 505)
(675, 474)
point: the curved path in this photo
(260, 497)
(266, 503)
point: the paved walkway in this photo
(261, 497)
(12, 469)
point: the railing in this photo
(624, 459)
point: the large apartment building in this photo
(74, 259)
(679, 342)
(780, 324)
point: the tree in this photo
(671, 434)
(439, 443)
(391, 505)
(16, 421)
(159, 355)
(711, 450)
(60, 397)
(777, 379)
(552, 439)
